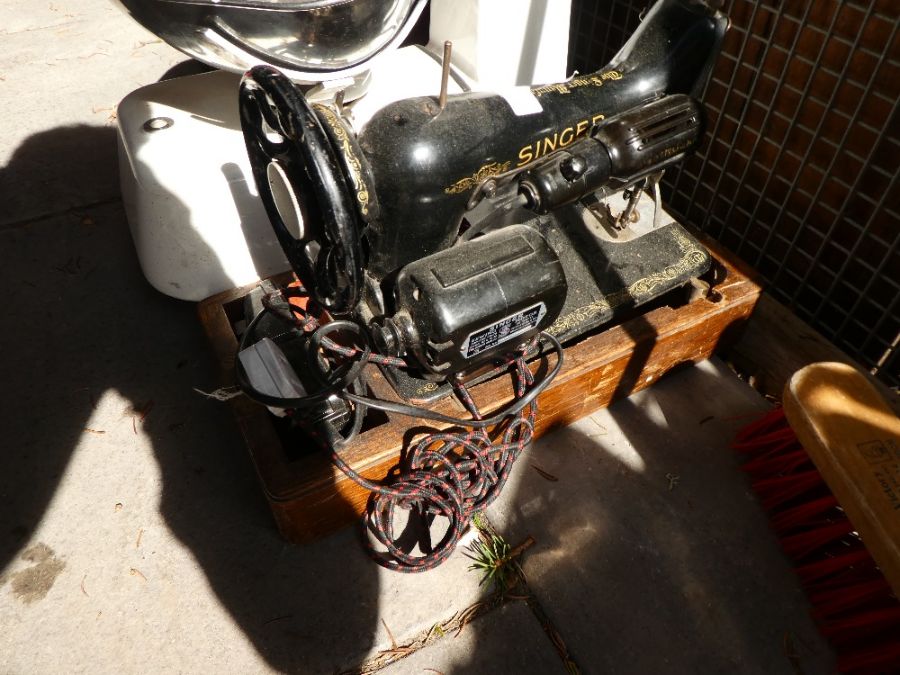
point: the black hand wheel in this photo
(297, 173)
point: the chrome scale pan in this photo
(309, 40)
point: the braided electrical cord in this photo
(451, 474)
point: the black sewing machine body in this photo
(429, 164)
(453, 234)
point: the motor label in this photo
(502, 331)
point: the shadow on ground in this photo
(80, 320)
(652, 553)
(631, 572)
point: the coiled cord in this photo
(448, 474)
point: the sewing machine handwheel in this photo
(304, 193)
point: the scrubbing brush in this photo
(826, 468)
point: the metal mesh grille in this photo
(798, 174)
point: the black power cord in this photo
(452, 474)
(338, 387)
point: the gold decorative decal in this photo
(641, 288)
(353, 163)
(426, 388)
(647, 285)
(559, 139)
(548, 144)
(581, 315)
(595, 80)
(485, 172)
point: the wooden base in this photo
(311, 498)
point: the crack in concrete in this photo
(37, 220)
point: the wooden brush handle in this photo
(853, 437)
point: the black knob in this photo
(572, 168)
(386, 338)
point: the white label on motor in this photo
(522, 100)
(502, 331)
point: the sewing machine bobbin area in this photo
(311, 498)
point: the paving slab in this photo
(133, 534)
(506, 640)
(652, 554)
(64, 66)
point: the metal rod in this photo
(827, 171)
(892, 349)
(761, 131)
(730, 87)
(861, 236)
(445, 74)
(812, 277)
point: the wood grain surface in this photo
(311, 498)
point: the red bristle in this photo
(834, 601)
(822, 568)
(860, 573)
(780, 489)
(752, 465)
(763, 442)
(861, 623)
(851, 599)
(773, 419)
(766, 445)
(771, 449)
(776, 464)
(877, 658)
(800, 545)
(802, 514)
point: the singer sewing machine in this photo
(193, 207)
(454, 227)
(443, 224)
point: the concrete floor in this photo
(134, 538)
